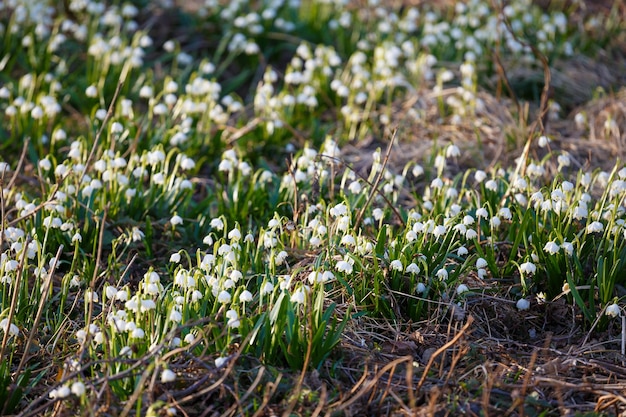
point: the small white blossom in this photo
(78, 388)
(551, 248)
(613, 310)
(523, 304)
(167, 376)
(344, 266)
(245, 296)
(396, 264)
(528, 268)
(461, 289)
(442, 274)
(595, 227)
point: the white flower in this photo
(221, 361)
(439, 231)
(505, 213)
(551, 248)
(442, 274)
(523, 304)
(234, 234)
(298, 296)
(491, 185)
(544, 141)
(175, 258)
(613, 310)
(167, 376)
(224, 297)
(412, 268)
(13, 329)
(396, 264)
(136, 234)
(480, 176)
(176, 220)
(482, 213)
(495, 222)
(462, 251)
(417, 171)
(568, 248)
(176, 316)
(344, 266)
(281, 257)
(461, 289)
(78, 388)
(420, 288)
(452, 151)
(138, 333)
(60, 393)
(245, 296)
(355, 187)
(528, 268)
(267, 288)
(217, 224)
(481, 263)
(348, 240)
(595, 227)
(436, 183)
(339, 210)
(471, 234)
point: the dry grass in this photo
(481, 358)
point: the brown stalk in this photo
(42, 303)
(101, 130)
(362, 178)
(442, 349)
(16, 291)
(92, 284)
(369, 385)
(359, 217)
(19, 163)
(271, 388)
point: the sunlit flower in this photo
(442, 274)
(551, 248)
(167, 376)
(344, 266)
(339, 210)
(221, 361)
(298, 296)
(60, 393)
(568, 248)
(461, 289)
(613, 310)
(528, 268)
(217, 224)
(78, 388)
(224, 297)
(13, 329)
(412, 268)
(595, 227)
(396, 265)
